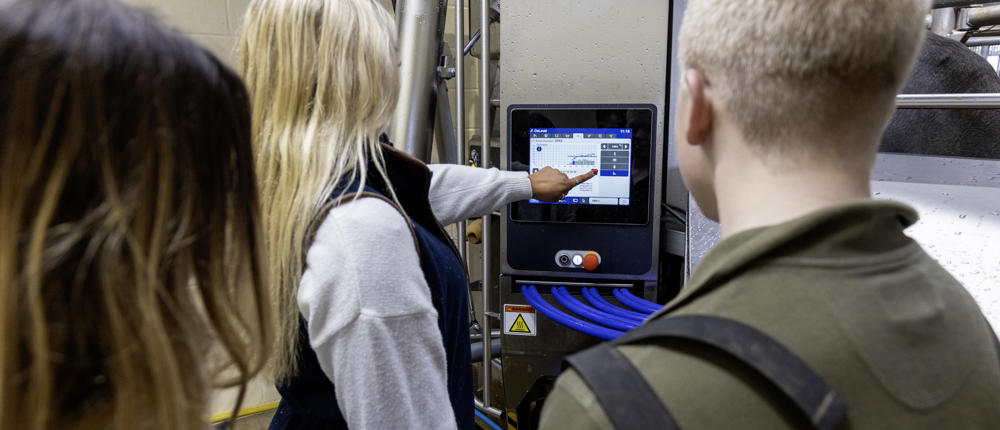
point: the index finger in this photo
(585, 177)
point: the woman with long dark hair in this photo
(129, 226)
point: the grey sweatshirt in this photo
(368, 308)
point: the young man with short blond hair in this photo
(781, 110)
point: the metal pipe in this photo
(445, 137)
(417, 20)
(983, 41)
(484, 102)
(460, 112)
(489, 410)
(957, 3)
(984, 16)
(943, 21)
(479, 336)
(948, 101)
(472, 42)
(477, 349)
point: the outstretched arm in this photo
(462, 192)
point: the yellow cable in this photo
(245, 411)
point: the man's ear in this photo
(701, 116)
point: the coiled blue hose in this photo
(634, 302)
(569, 302)
(595, 299)
(535, 300)
(487, 420)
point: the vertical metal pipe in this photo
(460, 106)
(943, 21)
(418, 52)
(486, 133)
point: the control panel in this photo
(612, 215)
(573, 259)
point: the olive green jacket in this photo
(843, 288)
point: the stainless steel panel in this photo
(585, 51)
(576, 52)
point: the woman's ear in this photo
(700, 118)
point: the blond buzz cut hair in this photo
(791, 70)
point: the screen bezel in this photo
(640, 118)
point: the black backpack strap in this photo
(824, 408)
(621, 390)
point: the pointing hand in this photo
(551, 185)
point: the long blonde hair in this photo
(323, 76)
(129, 222)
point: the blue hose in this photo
(595, 299)
(569, 302)
(487, 420)
(534, 299)
(655, 306)
(634, 302)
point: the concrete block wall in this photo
(215, 24)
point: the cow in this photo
(946, 66)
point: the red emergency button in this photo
(590, 261)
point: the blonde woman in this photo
(371, 296)
(129, 225)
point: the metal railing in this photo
(959, 3)
(984, 16)
(486, 134)
(460, 108)
(948, 101)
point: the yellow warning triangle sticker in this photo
(519, 325)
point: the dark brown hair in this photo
(129, 226)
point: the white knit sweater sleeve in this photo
(461, 192)
(371, 321)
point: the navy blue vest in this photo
(308, 399)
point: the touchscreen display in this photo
(575, 151)
(616, 140)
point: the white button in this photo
(577, 260)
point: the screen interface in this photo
(575, 151)
(618, 141)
